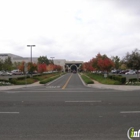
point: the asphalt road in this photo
(67, 110)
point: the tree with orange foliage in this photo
(42, 68)
(21, 66)
(87, 66)
(32, 67)
(102, 62)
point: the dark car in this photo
(123, 71)
(74, 71)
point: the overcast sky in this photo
(69, 29)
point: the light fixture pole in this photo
(52, 62)
(52, 59)
(31, 50)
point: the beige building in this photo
(66, 65)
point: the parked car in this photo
(123, 71)
(5, 73)
(115, 71)
(137, 71)
(130, 72)
(17, 72)
(1, 72)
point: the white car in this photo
(130, 72)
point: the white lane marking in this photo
(98, 101)
(57, 91)
(130, 112)
(9, 112)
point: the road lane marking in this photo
(9, 112)
(57, 90)
(98, 101)
(67, 82)
(129, 112)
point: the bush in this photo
(4, 80)
(133, 80)
(111, 79)
(119, 78)
(12, 80)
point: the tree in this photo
(87, 66)
(57, 68)
(32, 67)
(123, 67)
(102, 62)
(43, 59)
(1, 64)
(7, 65)
(42, 68)
(21, 66)
(16, 65)
(116, 61)
(50, 67)
(132, 60)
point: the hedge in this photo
(133, 80)
(118, 78)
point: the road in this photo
(67, 110)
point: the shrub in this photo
(119, 78)
(133, 80)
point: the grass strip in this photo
(49, 79)
(101, 79)
(87, 80)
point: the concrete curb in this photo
(82, 80)
(115, 87)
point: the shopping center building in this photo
(67, 66)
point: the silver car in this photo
(6, 74)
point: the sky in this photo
(69, 29)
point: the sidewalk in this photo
(19, 86)
(115, 87)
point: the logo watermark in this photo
(131, 133)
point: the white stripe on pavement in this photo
(9, 112)
(130, 112)
(98, 101)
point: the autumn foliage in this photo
(52, 67)
(42, 68)
(99, 63)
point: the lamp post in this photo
(52, 58)
(31, 50)
(52, 62)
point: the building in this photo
(66, 65)
(16, 58)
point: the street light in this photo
(52, 59)
(31, 50)
(52, 62)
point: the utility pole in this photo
(52, 59)
(31, 50)
(52, 62)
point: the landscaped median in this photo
(41, 78)
(86, 79)
(110, 80)
(46, 80)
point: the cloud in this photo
(72, 29)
